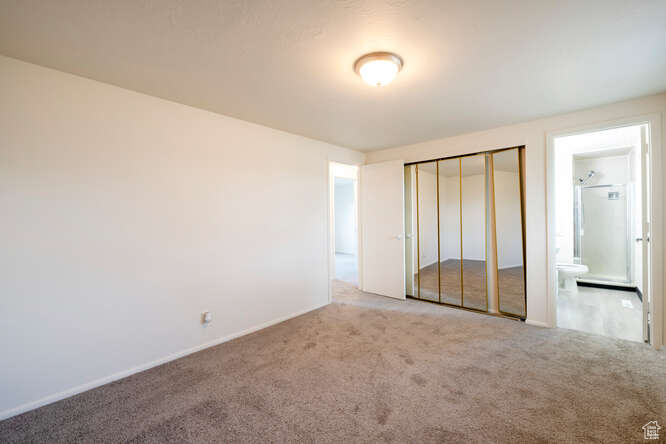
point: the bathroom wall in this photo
(609, 169)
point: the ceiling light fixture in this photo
(378, 68)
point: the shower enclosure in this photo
(602, 231)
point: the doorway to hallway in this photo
(344, 223)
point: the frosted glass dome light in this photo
(378, 68)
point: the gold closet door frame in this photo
(521, 175)
(439, 241)
(418, 238)
(462, 284)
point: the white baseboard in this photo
(536, 323)
(139, 368)
(509, 266)
(425, 265)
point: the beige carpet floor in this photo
(371, 369)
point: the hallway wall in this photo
(345, 216)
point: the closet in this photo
(465, 231)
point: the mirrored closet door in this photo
(458, 211)
(427, 223)
(473, 208)
(450, 266)
(509, 231)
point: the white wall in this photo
(125, 216)
(345, 216)
(533, 135)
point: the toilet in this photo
(568, 273)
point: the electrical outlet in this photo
(206, 317)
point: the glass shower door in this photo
(603, 232)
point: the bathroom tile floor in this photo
(613, 313)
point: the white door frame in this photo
(656, 284)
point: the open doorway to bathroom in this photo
(344, 222)
(602, 232)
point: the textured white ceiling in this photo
(469, 65)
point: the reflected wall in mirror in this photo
(449, 232)
(509, 232)
(428, 252)
(473, 228)
(411, 270)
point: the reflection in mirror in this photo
(411, 270)
(509, 232)
(449, 231)
(428, 255)
(473, 171)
